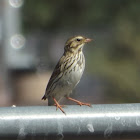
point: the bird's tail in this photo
(44, 97)
(50, 101)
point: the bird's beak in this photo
(87, 40)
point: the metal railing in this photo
(99, 121)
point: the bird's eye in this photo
(78, 39)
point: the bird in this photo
(67, 73)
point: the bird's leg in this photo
(58, 105)
(78, 102)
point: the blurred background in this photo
(32, 37)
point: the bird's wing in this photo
(56, 75)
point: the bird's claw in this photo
(78, 102)
(60, 107)
(81, 103)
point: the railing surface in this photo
(114, 121)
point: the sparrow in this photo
(67, 73)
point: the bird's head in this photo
(75, 44)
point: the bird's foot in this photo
(81, 103)
(58, 106)
(78, 102)
(61, 106)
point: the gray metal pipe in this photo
(98, 121)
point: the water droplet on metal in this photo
(123, 122)
(90, 128)
(108, 131)
(138, 121)
(117, 118)
(60, 136)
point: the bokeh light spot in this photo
(16, 3)
(17, 41)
